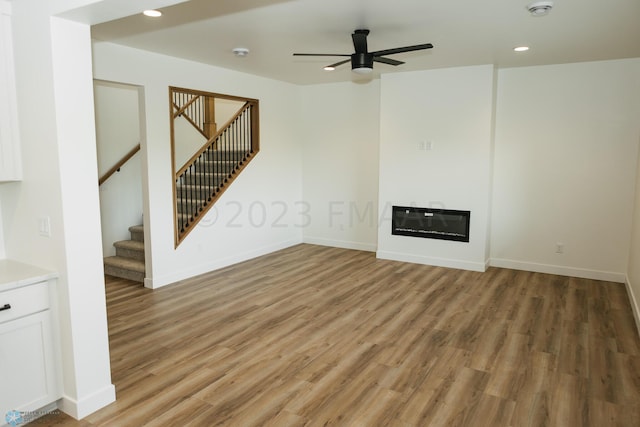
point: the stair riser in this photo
(195, 179)
(128, 253)
(189, 209)
(217, 167)
(193, 192)
(136, 276)
(138, 236)
(226, 155)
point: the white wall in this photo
(225, 109)
(633, 267)
(565, 163)
(258, 213)
(453, 110)
(340, 164)
(117, 132)
(188, 141)
(53, 78)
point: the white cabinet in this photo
(10, 158)
(28, 359)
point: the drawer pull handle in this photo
(5, 307)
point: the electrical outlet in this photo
(559, 248)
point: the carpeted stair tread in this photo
(132, 245)
(136, 228)
(124, 263)
(128, 263)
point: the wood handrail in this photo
(118, 165)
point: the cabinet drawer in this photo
(24, 301)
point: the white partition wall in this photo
(54, 79)
(435, 152)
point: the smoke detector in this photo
(540, 8)
(240, 51)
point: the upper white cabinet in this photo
(10, 159)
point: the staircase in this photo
(201, 181)
(208, 176)
(129, 260)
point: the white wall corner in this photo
(87, 405)
(634, 304)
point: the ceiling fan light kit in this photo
(362, 70)
(362, 60)
(540, 8)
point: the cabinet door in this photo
(27, 376)
(10, 159)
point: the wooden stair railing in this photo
(119, 164)
(197, 109)
(201, 181)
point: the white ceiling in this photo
(463, 32)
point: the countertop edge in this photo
(15, 274)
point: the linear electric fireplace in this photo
(444, 224)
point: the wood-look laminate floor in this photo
(320, 336)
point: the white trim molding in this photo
(634, 304)
(344, 244)
(87, 405)
(438, 262)
(608, 276)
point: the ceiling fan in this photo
(362, 60)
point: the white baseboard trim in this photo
(608, 276)
(79, 409)
(158, 282)
(345, 244)
(634, 304)
(438, 262)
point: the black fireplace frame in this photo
(419, 222)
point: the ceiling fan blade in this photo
(321, 54)
(360, 40)
(339, 63)
(402, 49)
(387, 60)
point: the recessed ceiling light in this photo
(329, 68)
(521, 48)
(152, 13)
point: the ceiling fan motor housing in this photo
(361, 60)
